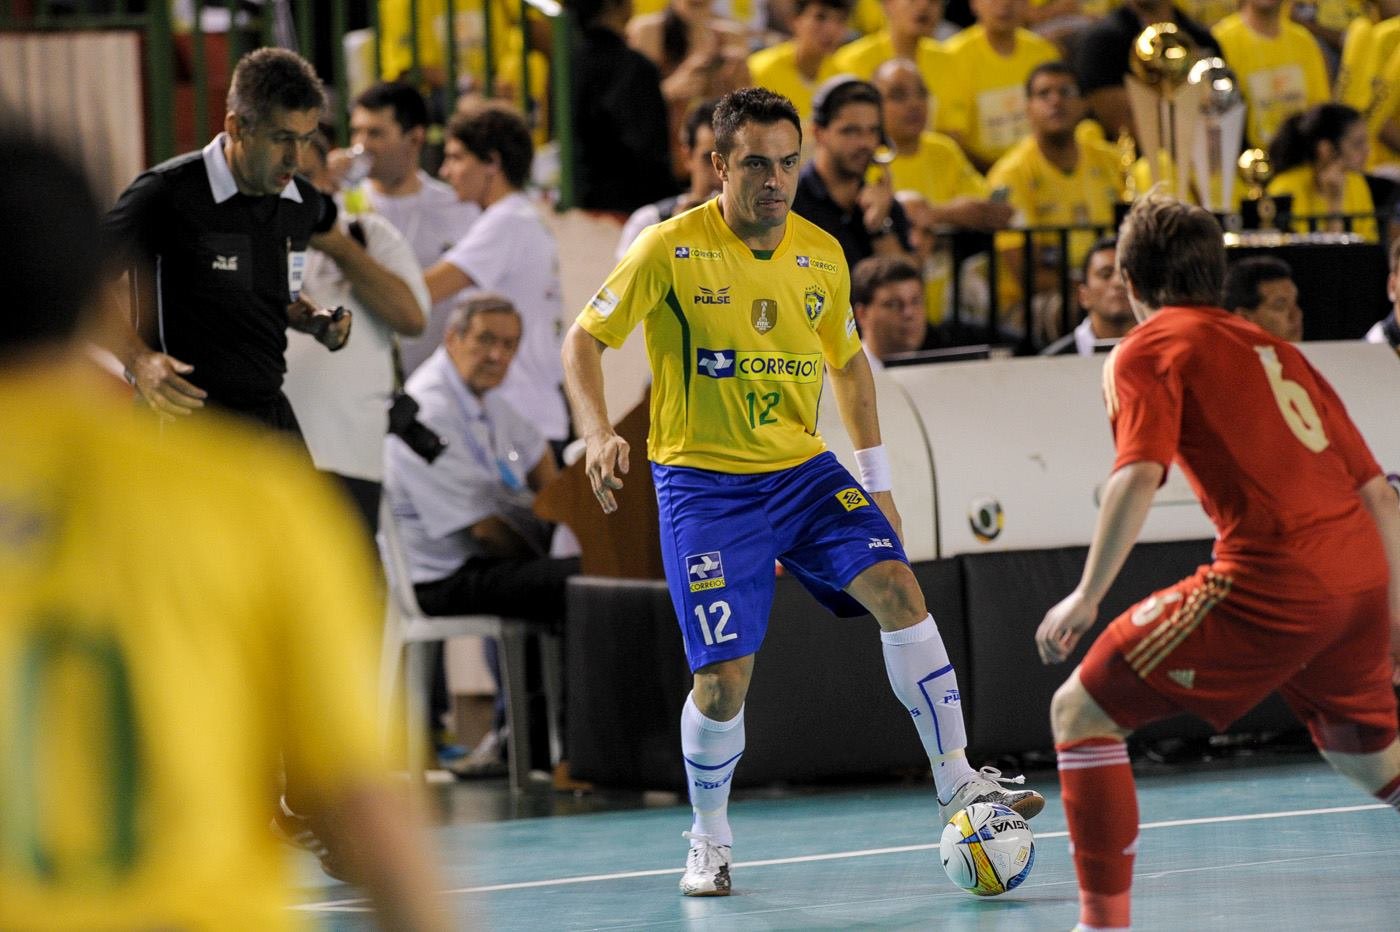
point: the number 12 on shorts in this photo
(720, 612)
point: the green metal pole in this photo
(342, 80)
(452, 83)
(378, 40)
(415, 70)
(304, 28)
(160, 79)
(525, 108)
(562, 77)
(488, 35)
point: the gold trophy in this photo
(1222, 113)
(1165, 105)
(1257, 172)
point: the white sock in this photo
(923, 679)
(711, 751)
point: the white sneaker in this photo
(983, 788)
(706, 867)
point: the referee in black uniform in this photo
(215, 243)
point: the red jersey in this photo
(1262, 438)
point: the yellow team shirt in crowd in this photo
(1278, 77)
(1043, 195)
(1207, 12)
(939, 172)
(987, 100)
(736, 339)
(863, 58)
(1301, 183)
(868, 17)
(176, 612)
(776, 69)
(1366, 81)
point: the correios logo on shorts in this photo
(758, 365)
(705, 571)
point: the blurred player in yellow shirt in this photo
(178, 611)
(911, 24)
(1054, 180)
(990, 63)
(949, 191)
(794, 68)
(1280, 67)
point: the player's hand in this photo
(1063, 626)
(886, 502)
(330, 327)
(605, 460)
(159, 381)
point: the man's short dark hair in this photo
(1173, 252)
(1103, 243)
(702, 114)
(751, 105)
(410, 110)
(269, 78)
(1243, 278)
(873, 273)
(1050, 67)
(842, 91)
(844, 6)
(51, 252)
(481, 302)
(495, 129)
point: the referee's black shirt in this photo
(225, 266)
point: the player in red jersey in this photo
(1303, 594)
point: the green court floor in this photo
(1274, 847)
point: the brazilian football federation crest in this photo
(764, 314)
(814, 302)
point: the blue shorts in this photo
(721, 532)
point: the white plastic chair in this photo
(406, 632)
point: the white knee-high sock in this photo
(711, 751)
(923, 679)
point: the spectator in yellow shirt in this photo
(990, 64)
(936, 184)
(1053, 179)
(1280, 67)
(912, 23)
(1318, 156)
(794, 68)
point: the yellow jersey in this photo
(1207, 12)
(175, 613)
(1278, 77)
(1384, 100)
(1043, 196)
(939, 172)
(736, 338)
(868, 17)
(776, 69)
(863, 58)
(987, 104)
(1301, 183)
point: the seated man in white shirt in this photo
(887, 295)
(1387, 329)
(1104, 299)
(471, 539)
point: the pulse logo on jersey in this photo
(812, 262)
(759, 365)
(705, 571)
(717, 364)
(712, 295)
(852, 498)
(225, 264)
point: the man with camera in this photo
(471, 539)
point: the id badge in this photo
(296, 272)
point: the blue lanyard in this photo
(503, 464)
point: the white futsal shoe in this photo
(706, 867)
(983, 788)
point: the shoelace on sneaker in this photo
(993, 775)
(706, 854)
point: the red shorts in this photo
(1215, 647)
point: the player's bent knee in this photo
(720, 688)
(891, 592)
(1074, 715)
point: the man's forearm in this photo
(380, 291)
(583, 381)
(1127, 497)
(1379, 499)
(855, 398)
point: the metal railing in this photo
(293, 23)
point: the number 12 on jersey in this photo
(720, 612)
(761, 406)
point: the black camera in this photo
(404, 424)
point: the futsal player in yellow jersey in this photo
(795, 68)
(990, 62)
(744, 304)
(1280, 67)
(177, 612)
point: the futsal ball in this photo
(987, 849)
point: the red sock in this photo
(1100, 799)
(1390, 794)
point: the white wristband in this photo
(874, 466)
